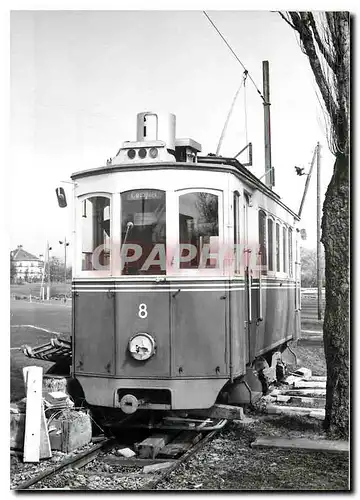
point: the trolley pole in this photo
(318, 235)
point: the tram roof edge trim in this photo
(204, 162)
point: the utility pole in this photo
(269, 177)
(308, 178)
(66, 244)
(318, 233)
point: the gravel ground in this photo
(226, 463)
(229, 463)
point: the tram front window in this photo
(96, 233)
(143, 232)
(199, 230)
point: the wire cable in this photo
(258, 91)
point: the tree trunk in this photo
(335, 237)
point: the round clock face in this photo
(142, 346)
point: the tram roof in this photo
(213, 163)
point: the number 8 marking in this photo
(143, 311)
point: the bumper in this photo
(183, 394)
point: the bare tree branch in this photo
(307, 41)
(287, 21)
(323, 50)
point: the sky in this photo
(78, 79)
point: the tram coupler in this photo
(130, 403)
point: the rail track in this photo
(102, 468)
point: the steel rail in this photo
(83, 459)
(184, 458)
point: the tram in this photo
(186, 276)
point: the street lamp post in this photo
(48, 248)
(66, 244)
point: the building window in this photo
(198, 230)
(290, 253)
(96, 234)
(270, 244)
(262, 240)
(143, 231)
(277, 247)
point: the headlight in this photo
(142, 346)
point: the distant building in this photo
(25, 266)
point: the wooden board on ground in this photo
(296, 410)
(33, 379)
(150, 447)
(45, 448)
(133, 462)
(304, 384)
(305, 392)
(182, 442)
(301, 444)
(229, 412)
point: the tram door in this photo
(247, 274)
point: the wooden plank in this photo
(302, 384)
(295, 410)
(229, 412)
(182, 442)
(33, 377)
(45, 448)
(304, 392)
(156, 467)
(304, 399)
(303, 372)
(301, 444)
(151, 446)
(133, 462)
(317, 378)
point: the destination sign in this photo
(145, 194)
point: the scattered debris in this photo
(126, 452)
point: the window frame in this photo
(271, 252)
(237, 232)
(264, 265)
(79, 272)
(195, 272)
(142, 276)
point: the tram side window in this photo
(143, 231)
(290, 253)
(262, 240)
(96, 234)
(277, 247)
(237, 250)
(199, 230)
(270, 244)
(284, 251)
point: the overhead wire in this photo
(237, 58)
